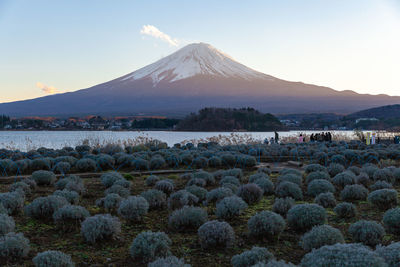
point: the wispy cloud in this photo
(156, 33)
(47, 89)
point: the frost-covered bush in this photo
(44, 177)
(251, 257)
(117, 189)
(230, 180)
(86, 165)
(319, 186)
(152, 180)
(266, 185)
(29, 181)
(230, 207)
(170, 261)
(305, 216)
(21, 186)
(314, 168)
(290, 178)
(148, 246)
(44, 207)
(206, 176)
(187, 218)
(257, 176)
(52, 258)
(217, 194)
(282, 205)
(363, 179)
(338, 255)
(288, 189)
(100, 227)
(390, 253)
(326, 200)
(105, 162)
(266, 224)
(289, 170)
(70, 216)
(383, 175)
(369, 233)
(110, 202)
(2, 209)
(344, 178)
(200, 162)
(238, 173)
(71, 196)
(345, 210)
(13, 246)
(109, 178)
(354, 169)
(380, 185)
(181, 198)
(13, 202)
(335, 168)
(157, 162)
(265, 170)
(216, 234)
(156, 198)
(133, 208)
(251, 193)
(40, 164)
(214, 162)
(7, 224)
(320, 236)
(198, 191)
(62, 167)
(391, 221)
(166, 186)
(197, 181)
(383, 198)
(275, 263)
(317, 175)
(354, 192)
(369, 169)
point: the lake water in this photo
(26, 140)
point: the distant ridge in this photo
(384, 112)
(196, 76)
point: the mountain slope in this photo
(384, 112)
(192, 78)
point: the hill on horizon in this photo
(383, 112)
(196, 76)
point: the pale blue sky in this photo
(71, 45)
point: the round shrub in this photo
(354, 169)
(20, 186)
(282, 205)
(275, 263)
(62, 167)
(232, 187)
(152, 180)
(44, 207)
(105, 162)
(230, 180)
(200, 162)
(157, 162)
(266, 185)
(390, 253)
(206, 176)
(13, 202)
(44, 177)
(217, 194)
(354, 192)
(305, 216)
(335, 168)
(71, 196)
(117, 189)
(369, 233)
(326, 200)
(238, 173)
(251, 257)
(110, 202)
(155, 198)
(198, 191)
(289, 170)
(109, 178)
(100, 227)
(85, 165)
(70, 216)
(317, 175)
(344, 178)
(251, 193)
(257, 176)
(355, 255)
(314, 168)
(52, 258)
(290, 178)
(345, 210)
(148, 246)
(170, 261)
(216, 234)
(230, 207)
(133, 208)
(319, 186)
(391, 221)
(288, 189)
(181, 198)
(165, 186)
(214, 162)
(187, 218)
(266, 224)
(197, 181)
(380, 185)
(7, 224)
(383, 175)
(363, 179)
(383, 198)
(13, 246)
(320, 236)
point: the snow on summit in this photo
(195, 59)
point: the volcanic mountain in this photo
(196, 76)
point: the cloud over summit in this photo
(156, 33)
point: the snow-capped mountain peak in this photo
(195, 59)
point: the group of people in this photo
(321, 137)
(272, 140)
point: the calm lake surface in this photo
(26, 140)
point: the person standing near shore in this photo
(276, 137)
